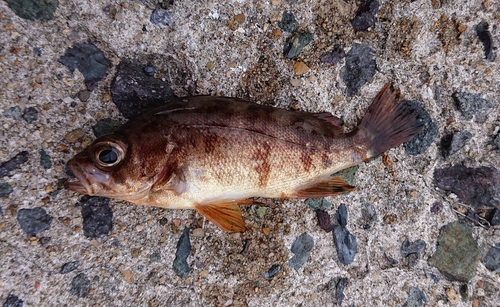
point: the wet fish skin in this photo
(214, 153)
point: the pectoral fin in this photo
(225, 214)
(333, 186)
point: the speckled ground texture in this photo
(429, 49)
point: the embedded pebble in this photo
(457, 254)
(33, 9)
(338, 284)
(97, 216)
(484, 35)
(495, 220)
(422, 141)
(83, 95)
(13, 164)
(416, 298)
(333, 57)
(14, 112)
(45, 161)
(30, 115)
(160, 17)
(345, 242)
(294, 45)
(33, 221)
(288, 22)
(275, 268)
(324, 220)
(318, 203)
(149, 70)
(453, 143)
(452, 295)
(496, 141)
(301, 248)
(476, 187)
(180, 265)
(5, 189)
(359, 67)
(13, 301)
(198, 232)
(415, 247)
(473, 106)
(105, 126)
(80, 285)
(296, 82)
(75, 135)
(300, 68)
(134, 92)
(368, 215)
(365, 15)
(492, 258)
(89, 60)
(69, 267)
(257, 213)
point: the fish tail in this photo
(389, 121)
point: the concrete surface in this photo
(426, 55)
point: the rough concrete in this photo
(429, 49)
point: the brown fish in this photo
(213, 154)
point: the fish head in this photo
(109, 168)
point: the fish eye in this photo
(108, 153)
(108, 156)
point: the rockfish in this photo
(213, 154)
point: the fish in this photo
(214, 154)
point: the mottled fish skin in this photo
(213, 153)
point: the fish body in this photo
(214, 153)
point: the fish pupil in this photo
(108, 156)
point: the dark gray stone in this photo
(30, 115)
(5, 189)
(333, 57)
(155, 257)
(485, 37)
(89, 60)
(415, 247)
(492, 259)
(83, 95)
(134, 92)
(473, 106)
(495, 220)
(275, 268)
(80, 285)
(14, 112)
(338, 284)
(45, 160)
(359, 67)
(161, 17)
(180, 266)
(365, 15)
(69, 267)
(457, 254)
(34, 9)
(301, 248)
(294, 45)
(345, 242)
(13, 301)
(288, 22)
(454, 142)
(416, 298)
(105, 126)
(476, 187)
(425, 138)
(496, 141)
(13, 164)
(149, 70)
(97, 216)
(33, 221)
(368, 215)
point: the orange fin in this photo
(225, 214)
(331, 187)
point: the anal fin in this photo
(331, 187)
(225, 214)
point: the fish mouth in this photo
(80, 184)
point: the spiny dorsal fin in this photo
(225, 214)
(331, 187)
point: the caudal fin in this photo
(389, 121)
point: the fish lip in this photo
(81, 183)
